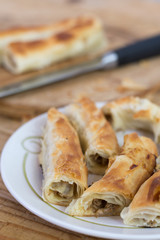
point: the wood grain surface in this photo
(124, 21)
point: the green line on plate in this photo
(31, 187)
(31, 141)
(25, 175)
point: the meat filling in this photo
(102, 207)
(64, 189)
(109, 118)
(100, 160)
(152, 223)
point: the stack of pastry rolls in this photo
(127, 170)
(62, 160)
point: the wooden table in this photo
(124, 21)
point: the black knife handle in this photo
(140, 50)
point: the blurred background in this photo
(124, 21)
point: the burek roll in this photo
(98, 140)
(109, 195)
(35, 33)
(64, 168)
(134, 113)
(144, 210)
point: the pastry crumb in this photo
(131, 85)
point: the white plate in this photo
(23, 177)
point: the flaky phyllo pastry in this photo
(144, 210)
(97, 137)
(27, 34)
(64, 169)
(85, 38)
(109, 195)
(134, 113)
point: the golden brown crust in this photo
(144, 210)
(129, 170)
(149, 145)
(113, 181)
(142, 114)
(154, 190)
(69, 35)
(134, 141)
(104, 135)
(69, 161)
(120, 101)
(97, 137)
(81, 38)
(60, 26)
(24, 48)
(19, 30)
(109, 195)
(64, 168)
(148, 194)
(134, 113)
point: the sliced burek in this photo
(109, 195)
(97, 137)
(144, 210)
(134, 113)
(85, 38)
(64, 169)
(27, 34)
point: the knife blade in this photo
(133, 52)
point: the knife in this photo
(131, 53)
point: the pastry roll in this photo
(27, 34)
(86, 38)
(97, 137)
(64, 169)
(109, 195)
(134, 112)
(144, 210)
